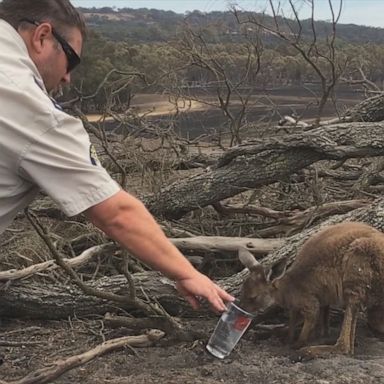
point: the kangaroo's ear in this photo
(247, 259)
(277, 270)
(257, 274)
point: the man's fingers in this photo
(217, 302)
(224, 295)
(219, 305)
(194, 290)
(192, 301)
(213, 298)
(218, 299)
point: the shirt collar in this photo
(17, 47)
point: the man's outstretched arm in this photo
(125, 219)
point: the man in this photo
(41, 147)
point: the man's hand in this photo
(201, 286)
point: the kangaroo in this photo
(341, 265)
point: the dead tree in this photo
(259, 163)
(232, 82)
(320, 55)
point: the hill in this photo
(151, 25)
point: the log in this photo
(368, 110)
(39, 300)
(260, 163)
(226, 244)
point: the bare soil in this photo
(265, 107)
(256, 359)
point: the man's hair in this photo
(61, 13)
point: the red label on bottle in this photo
(241, 323)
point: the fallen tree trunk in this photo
(34, 299)
(371, 109)
(255, 164)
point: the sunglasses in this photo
(72, 57)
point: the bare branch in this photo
(59, 367)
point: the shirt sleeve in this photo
(62, 161)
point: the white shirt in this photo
(41, 147)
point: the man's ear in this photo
(40, 36)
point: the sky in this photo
(360, 12)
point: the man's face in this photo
(53, 67)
